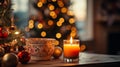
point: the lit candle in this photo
(71, 48)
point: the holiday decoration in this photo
(24, 57)
(10, 35)
(53, 20)
(57, 52)
(9, 60)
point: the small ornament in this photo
(5, 34)
(57, 52)
(24, 57)
(9, 60)
(2, 51)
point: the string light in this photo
(70, 13)
(59, 24)
(40, 26)
(43, 1)
(55, 16)
(50, 22)
(31, 21)
(30, 26)
(54, 0)
(64, 10)
(71, 20)
(51, 7)
(56, 42)
(58, 35)
(60, 3)
(39, 4)
(73, 32)
(43, 33)
(62, 20)
(52, 13)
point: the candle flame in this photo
(71, 40)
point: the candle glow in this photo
(71, 48)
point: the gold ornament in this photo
(57, 52)
(9, 60)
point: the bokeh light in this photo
(31, 26)
(43, 1)
(54, 0)
(58, 35)
(39, 4)
(60, 3)
(43, 33)
(62, 20)
(40, 26)
(51, 7)
(31, 21)
(59, 24)
(70, 13)
(64, 10)
(71, 20)
(50, 22)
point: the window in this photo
(83, 12)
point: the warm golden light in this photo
(64, 10)
(50, 22)
(55, 16)
(17, 32)
(60, 3)
(39, 4)
(31, 21)
(73, 29)
(58, 35)
(56, 42)
(71, 20)
(40, 25)
(43, 33)
(59, 24)
(73, 33)
(71, 40)
(54, 0)
(52, 13)
(51, 7)
(70, 13)
(43, 1)
(31, 26)
(61, 20)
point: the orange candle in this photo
(71, 48)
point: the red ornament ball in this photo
(5, 34)
(24, 57)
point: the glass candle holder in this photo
(71, 50)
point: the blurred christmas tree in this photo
(9, 34)
(54, 20)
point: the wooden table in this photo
(85, 60)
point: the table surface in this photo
(84, 59)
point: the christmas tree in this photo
(10, 36)
(54, 20)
